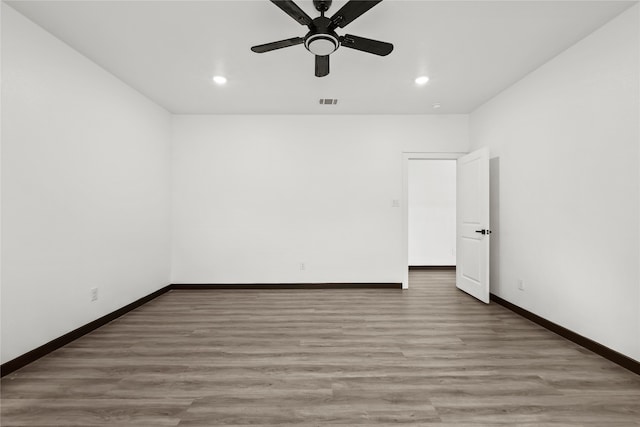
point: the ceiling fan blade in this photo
(293, 10)
(322, 65)
(366, 45)
(352, 10)
(267, 47)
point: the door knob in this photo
(483, 231)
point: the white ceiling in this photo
(169, 50)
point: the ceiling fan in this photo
(322, 40)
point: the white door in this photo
(472, 224)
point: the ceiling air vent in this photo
(328, 101)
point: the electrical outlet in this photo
(94, 294)
(302, 266)
(395, 203)
(521, 284)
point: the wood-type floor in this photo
(431, 355)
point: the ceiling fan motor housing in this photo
(322, 5)
(321, 40)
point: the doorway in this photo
(431, 211)
(407, 159)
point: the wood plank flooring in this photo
(427, 356)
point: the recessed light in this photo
(219, 80)
(436, 105)
(422, 80)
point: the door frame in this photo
(406, 157)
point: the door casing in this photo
(406, 158)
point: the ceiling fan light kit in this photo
(322, 40)
(321, 44)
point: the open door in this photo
(472, 224)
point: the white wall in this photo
(85, 189)
(564, 142)
(432, 212)
(255, 196)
